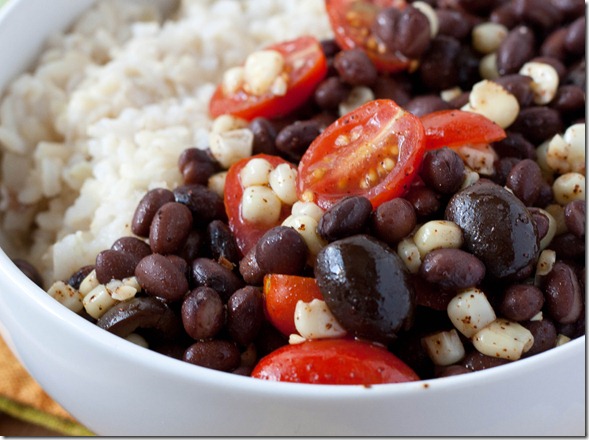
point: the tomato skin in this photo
(358, 34)
(301, 84)
(247, 234)
(333, 362)
(330, 171)
(455, 128)
(281, 294)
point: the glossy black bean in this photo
(170, 228)
(452, 370)
(502, 167)
(517, 48)
(538, 123)
(114, 265)
(208, 272)
(568, 246)
(577, 74)
(205, 204)
(264, 136)
(553, 45)
(570, 9)
(250, 269)
(393, 220)
(29, 270)
(331, 92)
(424, 104)
(78, 276)
(443, 170)
(405, 31)
(221, 242)
(454, 23)
(439, 67)
(478, 7)
(521, 302)
(539, 14)
(245, 314)
(203, 313)
(569, 99)
(355, 67)
(504, 14)
(425, 201)
(574, 41)
(563, 295)
(160, 277)
(452, 268)
(132, 246)
(544, 334)
(515, 145)
(197, 165)
(215, 354)
(524, 180)
(541, 221)
(281, 250)
(575, 217)
(146, 209)
(519, 86)
(194, 246)
(294, 139)
(395, 88)
(347, 217)
(476, 361)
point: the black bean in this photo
(452, 370)
(197, 166)
(170, 228)
(393, 220)
(146, 209)
(540, 14)
(521, 302)
(250, 269)
(216, 354)
(355, 67)
(205, 204)
(454, 23)
(478, 7)
(424, 104)
(245, 314)
(264, 136)
(519, 86)
(574, 41)
(541, 221)
(477, 361)
(203, 313)
(439, 67)
(404, 31)
(502, 167)
(516, 49)
(294, 139)
(207, 272)
(443, 170)
(132, 246)
(568, 246)
(504, 14)
(563, 295)
(577, 74)
(452, 268)
(221, 242)
(544, 333)
(553, 45)
(331, 92)
(395, 88)
(347, 217)
(515, 145)
(524, 180)
(569, 99)
(575, 218)
(30, 271)
(160, 277)
(114, 265)
(570, 9)
(329, 47)
(180, 263)
(78, 276)
(281, 250)
(425, 201)
(537, 123)
(193, 246)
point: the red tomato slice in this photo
(246, 233)
(281, 294)
(305, 66)
(455, 128)
(374, 151)
(351, 21)
(333, 362)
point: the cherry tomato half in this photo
(333, 362)
(374, 151)
(352, 20)
(247, 233)
(305, 67)
(281, 294)
(455, 128)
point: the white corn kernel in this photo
(503, 339)
(261, 70)
(567, 153)
(491, 100)
(120, 291)
(358, 96)
(437, 234)
(544, 80)
(488, 36)
(537, 317)
(470, 311)
(542, 160)
(216, 183)
(449, 94)
(295, 339)
(66, 295)
(546, 261)
(260, 205)
(561, 340)
(231, 146)
(470, 177)
(488, 67)
(255, 172)
(233, 80)
(307, 208)
(225, 123)
(307, 227)
(551, 229)
(430, 14)
(88, 283)
(98, 301)
(480, 158)
(557, 213)
(283, 180)
(569, 187)
(314, 320)
(444, 348)
(409, 253)
(137, 339)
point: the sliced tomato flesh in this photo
(456, 128)
(305, 67)
(374, 151)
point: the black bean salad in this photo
(403, 202)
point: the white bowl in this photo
(117, 388)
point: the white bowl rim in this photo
(135, 354)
